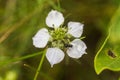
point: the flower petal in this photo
(41, 38)
(54, 19)
(77, 50)
(54, 55)
(75, 29)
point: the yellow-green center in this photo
(59, 37)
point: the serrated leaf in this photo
(108, 56)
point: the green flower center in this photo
(59, 33)
(59, 37)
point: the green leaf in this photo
(108, 56)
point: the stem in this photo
(59, 4)
(39, 67)
(19, 59)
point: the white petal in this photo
(41, 38)
(54, 55)
(54, 19)
(75, 29)
(78, 49)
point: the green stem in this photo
(39, 67)
(59, 4)
(19, 59)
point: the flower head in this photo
(60, 38)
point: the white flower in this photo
(54, 54)
(77, 50)
(75, 29)
(54, 19)
(41, 38)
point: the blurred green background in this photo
(21, 19)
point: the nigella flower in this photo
(59, 38)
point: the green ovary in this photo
(59, 34)
(58, 37)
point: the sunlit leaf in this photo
(108, 56)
